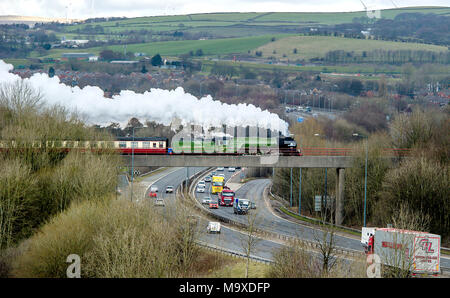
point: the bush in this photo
(422, 185)
(114, 238)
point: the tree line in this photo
(388, 56)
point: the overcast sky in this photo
(81, 9)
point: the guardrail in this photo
(278, 198)
(325, 151)
(234, 253)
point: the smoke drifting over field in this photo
(158, 105)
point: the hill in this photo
(317, 46)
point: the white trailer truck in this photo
(417, 252)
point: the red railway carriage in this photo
(148, 145)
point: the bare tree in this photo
(248, 238)
(326, 243)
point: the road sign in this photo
(317, 203)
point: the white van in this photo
(213, 227)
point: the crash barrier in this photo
(233, 253)
(317, 221)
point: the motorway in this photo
(231, 238)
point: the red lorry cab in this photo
(226, 197)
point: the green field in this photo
(173, 48)
(307, 46)
(222, 22)
(367, 69)
(317, 46)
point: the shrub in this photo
(114, 238)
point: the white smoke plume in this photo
(157, 105)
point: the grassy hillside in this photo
(168, 48)
(222, 23)
(317, 46)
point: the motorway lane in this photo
(173, 178)
(266, 220)
(228, 238)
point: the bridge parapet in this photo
(240, 161)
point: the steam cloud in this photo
(158, 105)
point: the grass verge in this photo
(315, 222)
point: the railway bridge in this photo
(340, 163)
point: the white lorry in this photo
(417, 252)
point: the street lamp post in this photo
(326, 145)
(300, 193)
(290, 197)
(132, 165)
(365, 174)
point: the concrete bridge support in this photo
(258, 172)
(340, 184)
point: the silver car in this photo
(206, 200)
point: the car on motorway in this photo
(252, 205)
(213, 173)
(169, 189)
(208, 179)
(201, 183)
(152, 194)
(213, 205)
(220, 169)
(159, 202)
(206, 200)
(154, 188)
(200, 189)
(213, 227)
(221, 175)
(231, 169)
